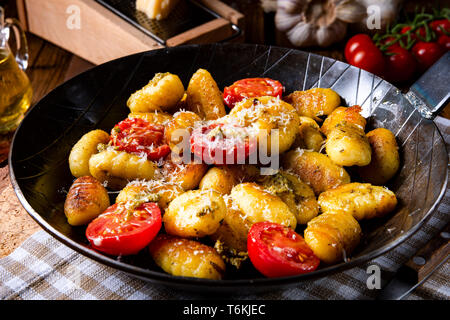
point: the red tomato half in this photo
(139, 136)
(250, 88)
(122, 231)
(220, 143)
(400, 64)
(361, 52)
(427, 53)
(278, 251)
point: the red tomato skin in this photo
(421, 31)
(355, 43)
(139, 132)
(371, 60)
(441, 27)
(271, 265)
(427, 53)
(400, 66)
(393, 45)
(250, 88)
(444, 41)
(361, 52)
(127, 243)
(200, 146)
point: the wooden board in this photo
(102, 36)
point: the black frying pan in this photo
(97, 99)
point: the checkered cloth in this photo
(44, 268)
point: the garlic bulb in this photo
(324, 22)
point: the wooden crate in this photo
(103, 36)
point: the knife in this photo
(419, 268)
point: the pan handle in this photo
(431, 93)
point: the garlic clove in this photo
(328, 35)
(284, 21)
(350, 11)
(291, 6)
(301, 35)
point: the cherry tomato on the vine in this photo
(444, 41)
(441, 27)
(400, 64)
(427, 53)
(361, 52)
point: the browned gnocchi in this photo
(86, 199)
(385, 159)
(186, 258)
(362, 200)
(333, 236)
(316, 169)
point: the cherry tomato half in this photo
(139, 136)
(400, 64)
(361, 52)
(250, 88)
(123, 231)
(427, 53)
(278, 251)
(220, 143)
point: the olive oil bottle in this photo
(15, 92)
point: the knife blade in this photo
(419, 268)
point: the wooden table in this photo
(49, 66)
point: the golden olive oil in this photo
(15, 92)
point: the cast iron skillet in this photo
(97, 99)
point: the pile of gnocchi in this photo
(200, 216)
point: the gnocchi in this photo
(83, 150)
(220, 179)
(163, 92)
(117, 168)
(186, 258)
(295, 193)
(362, 200)
(86, 199)
(315, 102)
(333, 236)
(204, 97)
(195, 213)
(260, 205)
(385, 159)
(316, 169)
(309, 136)
(265, 114)
(347, 144)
